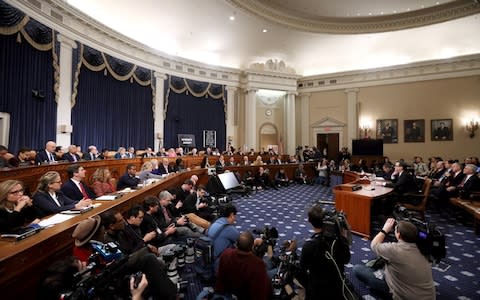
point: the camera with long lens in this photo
(288, 264)
(269, 236)
(430, 240)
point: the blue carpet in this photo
(456, 277)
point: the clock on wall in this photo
(268, 112)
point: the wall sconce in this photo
(364, 130)
(471, 126)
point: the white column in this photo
(251, 119)
(64, 105)
(159, 112)
(305, 118)
(352, 116)
(290, 122)
(230, 132)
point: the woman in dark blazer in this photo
(48, 199)
(16, 209)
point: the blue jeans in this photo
(377, 286)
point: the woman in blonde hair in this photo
(102, 182)
(15, 208)
(48, 199)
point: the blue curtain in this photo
(109, 113)
(190, 114)
(23, 70)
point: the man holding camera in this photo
(407, 273)
(322, 261)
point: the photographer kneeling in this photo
(322, 260)
(407, 273)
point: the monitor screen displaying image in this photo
(228, 180)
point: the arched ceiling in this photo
(239, 33)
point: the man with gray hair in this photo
(165, 217)
(92, 153)
(470, 183)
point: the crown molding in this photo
(320, 24)
(461, 66)
(67, 20)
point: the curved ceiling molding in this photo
(352, 25)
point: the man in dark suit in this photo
(75, 188)
(402, 181)
(71, 155)
(128, 180)
(92, 153)
(47, 155)
(470, 183)
(195, 203)
(165, 168)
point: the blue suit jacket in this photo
(45, 205)
(68, 156)
(42, 157)
(71, 190)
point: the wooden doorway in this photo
(329, 141)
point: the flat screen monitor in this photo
(367, 147)
(228, 180)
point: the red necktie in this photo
(84, 192)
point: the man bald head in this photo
(245, 241)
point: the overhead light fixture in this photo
(232, 18)
(264, 30)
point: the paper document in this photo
(55, 219)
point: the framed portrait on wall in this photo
(414, 131)
(387, 129)
(442, 130)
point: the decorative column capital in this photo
(231, 88)
(292, 93)
(305, 95)
(249, 91)
(353, 90)
(160, 76)
(64, 40)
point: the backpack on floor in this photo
(205, 257)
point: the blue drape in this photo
(23, 69)
(188, 114)
(109, 113)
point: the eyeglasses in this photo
(59, 181)
(16, 192)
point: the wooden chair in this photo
(420, 207)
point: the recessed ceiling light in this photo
(264, 30)
(232, 18)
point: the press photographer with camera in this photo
(323, 258)
(407, 273)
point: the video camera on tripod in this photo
(269, 236)
(288, 263)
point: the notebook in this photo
(76, 211)
(22, 232)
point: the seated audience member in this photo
(5, 157)
(128, 180)
(231, 162)
(281, 178)
(205, 163)
(194, 152)
(242, 273)
(22, 159)
(167, 215)
(196, 204)
(16, 209)
(258, 161)
(220, 162)
(245, 161)
(148, 153)
(251, 152)
(147, 172)
(407, 273)
(322, 261)
(183, 192)
(446, 187)
(361, 166)
(292, 159)
(179, 166)
(387, 171)
(102, 182)
(322, 169)
(171, 153)
(262, 179)
(420, 168)
(165, 168)
(121, 153)
(75, 188)
(47, 155)
(79, 152)
(48, 199)
(301, 175)
(470, 183)
(208, 151)
(104, 154)
(438, 172)
(402, 180)
(92, 153)
(131, 152)
(179, 151)
(223, 232)
(162, 152)
(249, 179)
(71, 155)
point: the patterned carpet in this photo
(456, 277)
